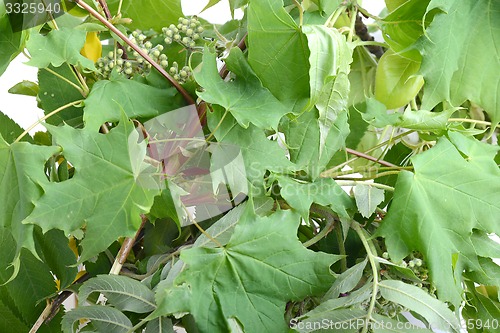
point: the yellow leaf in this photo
(92, 49)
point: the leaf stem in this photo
(47, 116)
(301, 12)
(103, 20)
(352, 28)
(472, 121)
(370, 158)
(66, 80)
(125, 249)
(340, 166)
(371, 258)
(341, 182)
(342, 252)
(322, 234)
(330, 22)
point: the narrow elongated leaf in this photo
(278, 52)
(330, 57)
(103, 318)
(58, 47)
(122, 292)
(262, 267)
(454, 189)
(415, 299)
(346, 281)
(26, 88)
(137, 100)
(244, 97)
(330, 306)
(113, 187)
(465, 41)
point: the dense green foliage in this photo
(282, 172)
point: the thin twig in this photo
(136, 48)
(47, 116)
(125, 249)
(370, 158)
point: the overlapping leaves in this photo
(453, 190)
(260, 250)
(108, 192)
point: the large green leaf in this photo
(58, 47)
(278, 52)
(250, 279)
(454, 189)
(21, 175)
(10, 42)
(461, 55)
(136, 100)
(108, 193)
(244, 97)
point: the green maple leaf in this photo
(108, 193)
(455, 188)
(245, 97)
(461, 55)
(58, 47)
(21, 175)
(250, 279)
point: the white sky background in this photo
(23, 109)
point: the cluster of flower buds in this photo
(187, 32)
(135, 64)
(180, 75)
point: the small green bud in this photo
(385, 255)
(156, 53)
(183, 73)
(172, 71)
(185, 21)
(159, 47)
(128, 71)
(177, 77)
(168, 40)
(200, 29)
(111, 55)
(148, 45)
(177, 37)
(164, 63)
(119, 52)
(418, 262)
(189, 32)
(186, 40)
(196, 36)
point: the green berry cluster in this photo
(180, 75)
(187, 32)
(135, 64)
